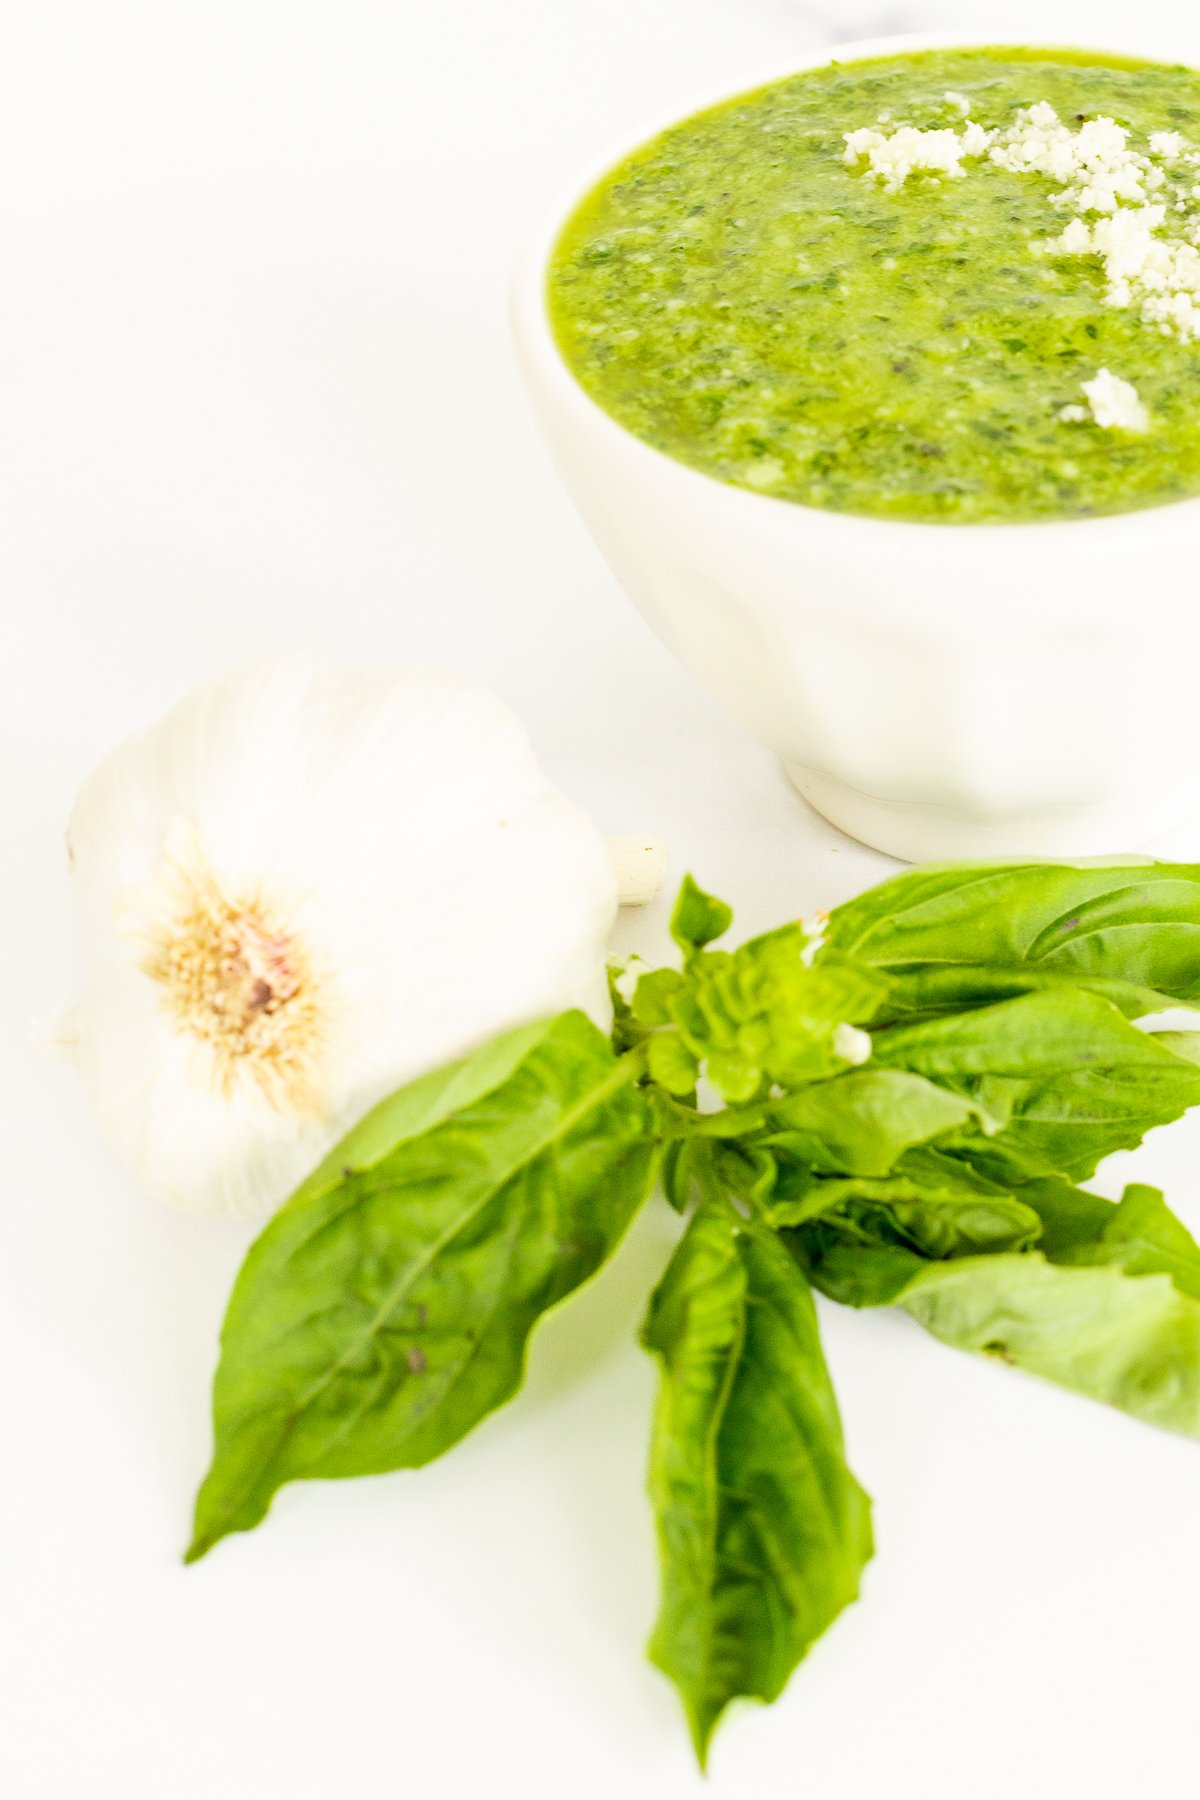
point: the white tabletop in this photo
(255, 394)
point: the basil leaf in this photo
(933, 988)
(936, 1222)
(698, 917)
(652, 993)
(1029, 1037)
(1140, 1235)
(936, 1209)
(623, 977)
(963, 934)
(1107, 1305)
(855, 1261)
(386, 1309)
(862, 1122)
(762, 1528)
(671, 1064)
(1071, 1216)
(1074, 1078)
(1130, 1340)
(678, 1174)
(420, 1105)
(760, 1014)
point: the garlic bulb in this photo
(302, 888)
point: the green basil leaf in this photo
(855, 1260)
(1130, 1340)
(763, 1530)
(1108, 1304)
(1071, 1216)
(1180, 1043)
(678, 1174)
(862, 1122)
(857, 1238)
(929, 989)
(1075, 1079)
(941, 1165)
(744, 1170)
(760, 1014)
(1027, 1038)
(1139, 1235)
(671, 1064)
(623, 976)
(936, 1222)
(965, 934)
(698, 917)
(652, 993)
(420, 1105)
(386, 1309)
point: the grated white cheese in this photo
(1114, 404)
(959, 102)
(893, 156)
(1151, 259)
(1160, 276)
(1094, 165)
(975, 139)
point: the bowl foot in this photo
(917, 832)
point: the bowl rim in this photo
(535, 334)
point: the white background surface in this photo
(255, 394)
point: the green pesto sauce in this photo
(741, 298)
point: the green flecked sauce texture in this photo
(741, 298)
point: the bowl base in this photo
(915, 832)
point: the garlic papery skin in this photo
(302, 888)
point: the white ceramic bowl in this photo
(935, 690)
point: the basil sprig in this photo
(763, 1529)
(900, 1114)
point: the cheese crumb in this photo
(1158, 275)
(1151, 260)
(1113, 403)
(893, 157)
(959, 102)
(1076, 240)
(1094, 166)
